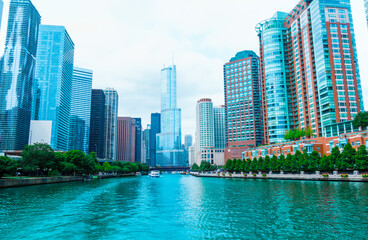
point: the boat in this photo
(154, 174)
(184, 173)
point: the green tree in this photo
(266, 164)
(361, 120)
(288, 164)
(281, 162)
(195, 167)
(325, 163)
(106, 167)
(347, 160)
(335, 158)
(205, 166)
(274, 163)
(313, 161)
(361, 158)
(238, 166)
(37, 158)
(309, 131)
(299, 161)
(7, 166)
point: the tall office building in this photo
(126, 133)
(155, 129)
(145, 146)
(17, 74)
(97, 125)
(52, 88)
(206, 149)
(169, 150)
(243, 112)
(1, 11)
(188, 141)
(138, 139)
(366, 9)
(111, 123)
(309, 68)
(80, 110)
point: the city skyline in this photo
(201, 46)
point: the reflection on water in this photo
(185, 207)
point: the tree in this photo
(288, 164)
(361, 120)
(7, 166)
(347, 160)
(38, 158)
(238, 166)
(313, 161)
(335, 158)
(361, 158)
(299, 161)
(254, 165)
(266, 164)
(309, 131)
(205, 166)
(280, 162)
(195, 167)
(106, 167)
(274, 163)
(325, 163)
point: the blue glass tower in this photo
(138, 139)
(366, 9)
(17, 74)
(1, 11)
(155, 129)
(80, 110)
(53, 82)
(168, 145)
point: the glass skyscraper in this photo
(17, 74)
(155, 129)
(138, 139)
(366, 9)
(53, 82)
(169, 149)
(1, 10)
(80, 110)
(219, 124)
(309, 68)
(97, 128)
(111, 123)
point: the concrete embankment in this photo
(116, 176)
(303, 177)
(19, 182)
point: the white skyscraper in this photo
(111, 123)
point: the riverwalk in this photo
(355, 177)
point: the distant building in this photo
(205, 133)
(138, 139)
(219, 127)
(111, 123)
(243, 112)
(169, 150)
(52, 88)
(80, 110)
(155, 129)
(97, 126)
(191, 155)
(188, 141)
(145, 147)
(17, 74)
(40, 132)
(1, 11)
(126, 133)
(366, 9)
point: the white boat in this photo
(154, 174)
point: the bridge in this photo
(170, 169)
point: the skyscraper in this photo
(309, 68)
(242, 104)
(111, 123)
(1, 11)
(138, 139)
(97, 126)
(18, 74)
(145, 147)
(80, 110)
(366, 9)
(52, 89)
(126, 133)
(155, 129)
(188, 141)
(169, 151)
(208, 132)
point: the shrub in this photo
(344, 175)
(264, 174)
(325, 175)
(365, 175)
(254, 174)
(245, 174)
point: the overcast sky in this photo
(126, 43)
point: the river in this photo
(185, 207)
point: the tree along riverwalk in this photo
(335, 176)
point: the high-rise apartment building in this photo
(309, 68)
(80, 109)
(206, 149)
(97, 125)
(138, 139)
(111, 123)
(126, 133)
(169, 149)
(155, 129)
(243, 114)
(52, 88)
(17, 74)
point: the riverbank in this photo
(30, 181)
(285, 176)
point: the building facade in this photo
(97, 125)
(243, 112)
(52, 88)
(17, 74)
(80, 110)
(126, 133)
(309, 68)
(111, 123)
(188, 141)
(169, 150)
(138, 139)
(155, 129)
(1, 11)
(366, 9)
(208, 132)
(145, 147)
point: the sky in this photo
(126, 43)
